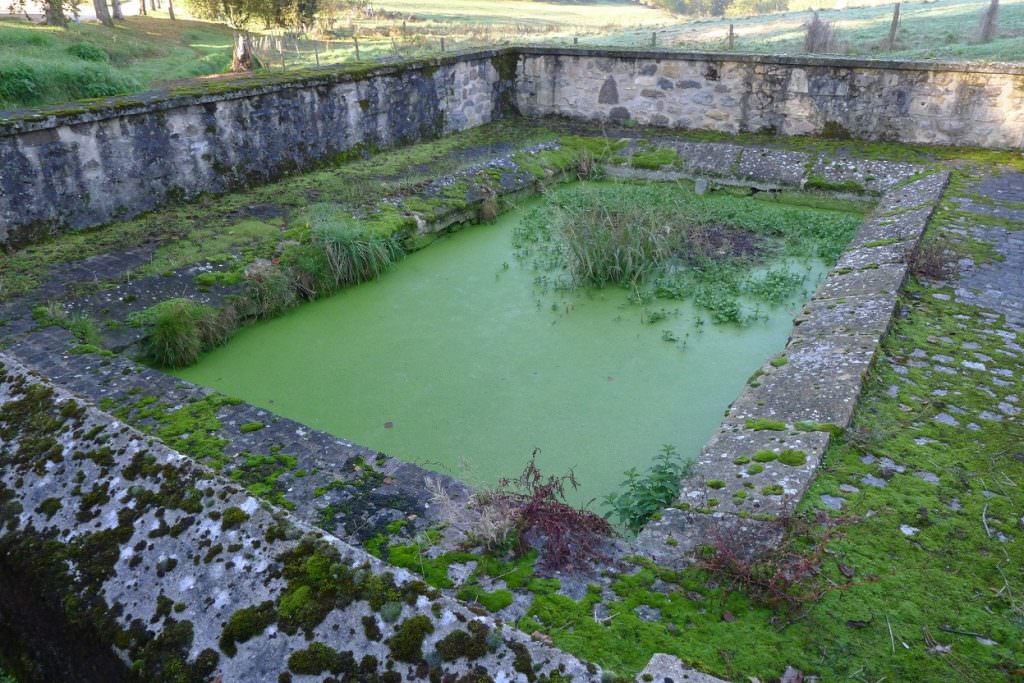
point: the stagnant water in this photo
(456, 361)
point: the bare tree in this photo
(115, 6)
(170, 9)
(989, 19)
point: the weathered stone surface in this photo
(131, 552)
(663, 668)
(913, 102)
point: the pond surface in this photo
(456, 361)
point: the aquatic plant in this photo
(647, 494)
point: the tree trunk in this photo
(894, 26)
(116, 6)
(241, 56)
(142, 8)
(55, 13)
(170, 9)
(989, 21)
(152, 5)
(102, 13)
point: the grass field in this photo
(42, 65)
(943, 29)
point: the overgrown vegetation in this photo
(661, 240)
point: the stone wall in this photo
(83, 168)
(911, 102)
(95, 163)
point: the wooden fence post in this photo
(355, 39)
(730, 36)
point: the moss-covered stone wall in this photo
(94, 162)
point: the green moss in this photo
(49, 507)
(407, 642)
(249, 427)
(792, 457)
(319, 658)
(233, 517)
(494, 601)
(470, 644)
(246, 624)
(654, 158)
(765, 456)
(772, 490)
(755, 468)
(779, 361)
(716, 484)
(764, 424)
(818, 182)
(834, 430)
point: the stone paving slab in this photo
(740, 470)
(876, 254)
(820, 382)
(868, 315)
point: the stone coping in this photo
(15, 122)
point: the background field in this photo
(42, 65)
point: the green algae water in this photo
(456, 360)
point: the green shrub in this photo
(647, 494)
(88, 52)
(180, 329)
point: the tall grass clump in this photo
(353, 253)
(614, 242)
(178, 330)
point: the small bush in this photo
(647, 494)
(88, 52)
(181, 329)
(820, 36)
